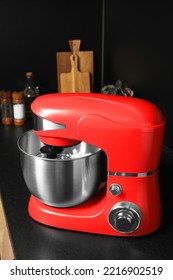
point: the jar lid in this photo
(29, 74)
(6, 95)
(16, 95)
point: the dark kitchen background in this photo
(131, 40)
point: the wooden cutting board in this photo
(85, 62)
(75, 81)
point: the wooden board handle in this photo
(74, 62)
(74, 46)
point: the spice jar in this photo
(6, 108)
(18, 108)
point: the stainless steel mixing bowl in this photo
(61, 182)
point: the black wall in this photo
(137, 45)
(32, 31)
(139, 52)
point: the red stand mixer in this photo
(121, 137)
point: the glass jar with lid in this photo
(18, 108)
(6, 107)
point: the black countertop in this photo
(34, 241)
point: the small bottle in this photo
(18, 108)
(6, 108)
(30, 93)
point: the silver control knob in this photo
(115, 189)
(125, 217)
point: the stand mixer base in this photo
(91, 216)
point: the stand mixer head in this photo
(128, 134)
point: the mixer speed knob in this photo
(125, 217)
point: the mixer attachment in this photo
(50, 151)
